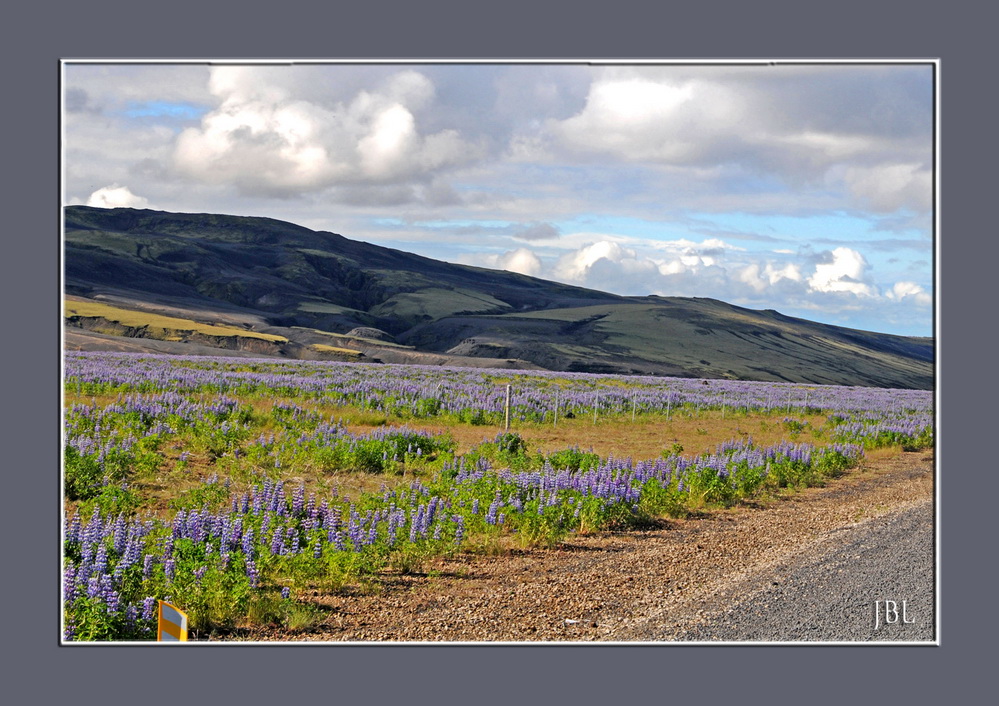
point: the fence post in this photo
(506, 416)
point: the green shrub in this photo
(573, 459)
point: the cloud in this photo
(266, 141)
(890, 187)
(635, 179)
(638, 118)
(844, 270)
(910, 290)
(866, 133)
(76, 100)
(761, 279)
(537, 231)
(115, 196)
(575, 266)
(521, 261)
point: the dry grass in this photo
(647, 437)
(644, 438)
(132, 318)
(321, 348)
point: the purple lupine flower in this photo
(252, 573)
(179, 521)
(247, 544)
(69, 583)
(148, 606)
(414, 525)
(73, 531)
(168, 569)
(93, 587)
(131, 613)
(491, 512)
(298, 500)
(285, 592)
(101, 560)
(196, 526)
(237, 532)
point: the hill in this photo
(197, 283)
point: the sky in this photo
(801, 187)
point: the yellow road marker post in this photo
(172, 624)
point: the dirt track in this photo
(807, 567)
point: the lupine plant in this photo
(237, 539)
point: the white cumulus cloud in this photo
(115, 196)
(650, 119)
(760, 279)
(266, 141)
(844, 271)
(903, 290)
(522, 261)
(575, 266)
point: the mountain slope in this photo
(322, 294)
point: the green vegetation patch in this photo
(326, 308)
(436, 303)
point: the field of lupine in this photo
(238, 488)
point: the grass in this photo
(168, 325)
(207, 453)
(342, 336)
(322, 348)
(327, 308)
(645, 438)
(437, 303)
(174, 484)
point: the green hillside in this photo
(285, 280)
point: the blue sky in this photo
(805, 188)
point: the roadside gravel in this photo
(807, 567)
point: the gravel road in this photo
(813, 566)
(839, 590)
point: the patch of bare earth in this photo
(620, 586)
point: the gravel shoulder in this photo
(808, 567)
